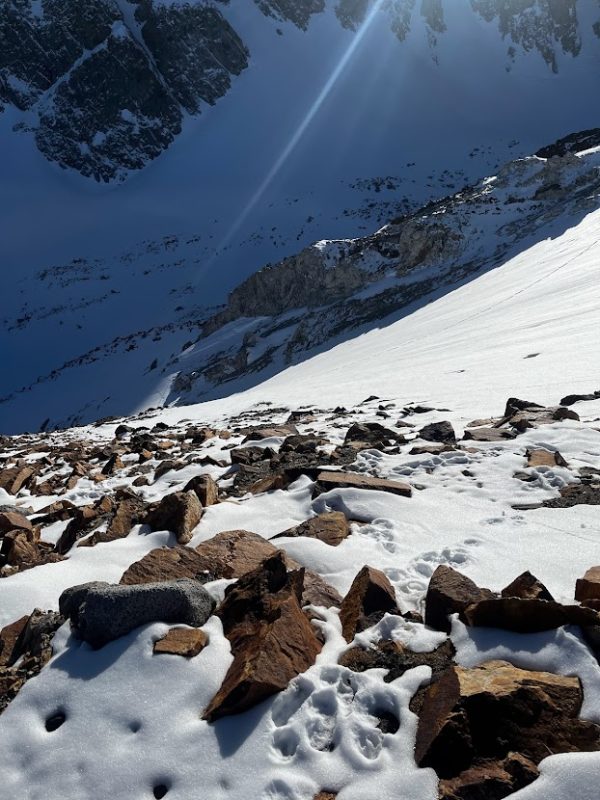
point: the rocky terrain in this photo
(105, 91)
(334, 599)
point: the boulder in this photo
(84, 521)
(331, 528)
(370, 597)
(165, 564)
(326, 481)
(576, 494)
(363, 435)
(513, 405)
(13, 479)
(588, 587)
(438, 432)
(448, 593)
(179, 512)
(128, 511)
(271, 639)
(186, 642)
(232, 554)
(107, 612)
(472, 717)
(206, 489)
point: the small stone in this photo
(114, 464)
(545, 458)
(438, 432)
(179, 512)
(186, 642)
(206, 489)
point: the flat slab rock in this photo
(186, 642)
(331, 528)
(326, 481)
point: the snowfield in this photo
(527, 329)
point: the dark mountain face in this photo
(104, 85)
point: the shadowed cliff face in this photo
(105, 84)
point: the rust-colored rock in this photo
(474, 717)
(490, 780)
(9, 636)
(526, 616)
(331, 528)
(450, 592)
(527, 587)
(369, 598)
(85, 520)
(205, 488)
(488, 434)
(397, 659)
(179, 512)
(13, 521)
(232, 554)
(271, 639)
(588, 587)
(114, 464)
(13, 479)
(186, 642)
(326, 481)
(165, 564)
(545, 458)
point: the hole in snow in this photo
(388, 722)
(160, 791)
(55, 721)
(135, 725)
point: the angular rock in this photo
(371, 434)
(13, 479)
(12, 521)
(513, 405)
(326, 481)
(179, 512)
(470, 716)
(186, 642)
(488, 435)
(129, 511)
(232, 554)
(448, 593)
(331, 528)
(576, 494)
(85, 520)
(588, 587)
(106, 613)
(545, 458)
(526, 616)
(114, 464)
(527, 587)
(370, 597)
(490, 780)
(439, 432)
(274, 431)
(9, 636)
(166, 564)
(271, 639)
(571, 399)
(206, 489)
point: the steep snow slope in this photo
(527, 328)
(329, 133)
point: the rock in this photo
(186, 642)
(206, 489)
(331, 528)
(325, 796)
(19, 550)
(576, 494)
(274, 431)
(270, 483)
(13, 479)
(561, 414)
(432, 449)
(271, 639)
(109, 612)
(232, 554)
(316, 591)
(397, 659)
(488, 435)
(474, 716)
(114, 464)
(129, 511)
(491, 780)
(179, 512)
(371, 434)
(12, 521)
(370, 597)
(438, 432)
(545, 458)
(166, 564)
(9, 636)
(588, 587)
(526, 616)
(448, 593)
(85, 520)
(527, 587)
(571, 399)
(513, 405)
(326, 481)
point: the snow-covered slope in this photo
(379, 119)
(527, 328)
